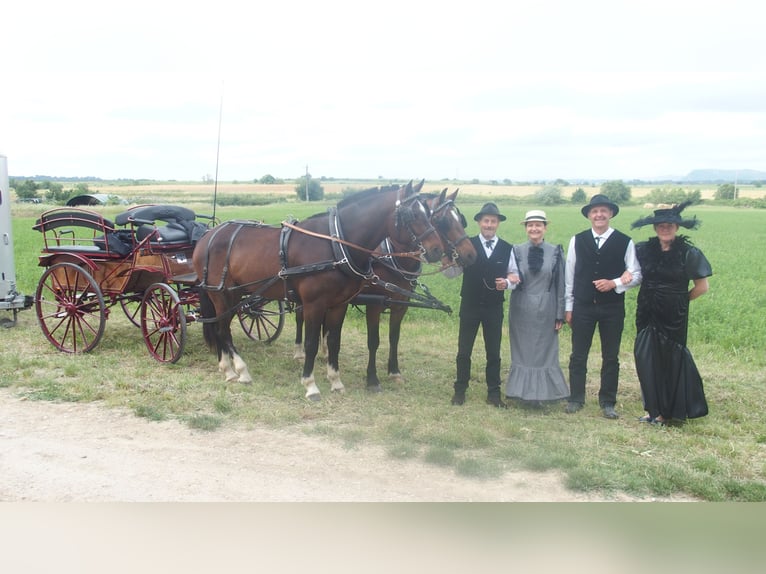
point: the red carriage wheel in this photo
(131, 306)
(163, 323)
(262, 319)
(70, 308)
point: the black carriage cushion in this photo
(147, 213)
(119, 242)
(166, 234)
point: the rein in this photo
(371, 252)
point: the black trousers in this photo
(490, 319)
(610, 319)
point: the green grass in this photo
(719, 457)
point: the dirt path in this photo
(57, 452)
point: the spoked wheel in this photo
(132, 308)
(70, 308)
(163, 323)
(262, 319)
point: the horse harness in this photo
(342, 261)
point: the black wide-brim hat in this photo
(669, 215)
(489, 209)
(600, 199)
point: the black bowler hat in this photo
(669, 215)
(600, 199)
(489, 209)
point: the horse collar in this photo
(342, 258)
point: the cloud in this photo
(550, 89)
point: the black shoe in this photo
(496, 402)
(609, 412)
(458, 398)
(572, 407)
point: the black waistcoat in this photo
(593, 263)
(479, 278)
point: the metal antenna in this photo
(217, 152)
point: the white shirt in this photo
(631, 264)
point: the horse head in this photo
(412, 224)
(451, 224)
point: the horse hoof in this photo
(374, 389)
(339, 390)
(314, 398)
(396, 378)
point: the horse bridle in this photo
(406, 217)
(439, 222)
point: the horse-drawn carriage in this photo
(140, 262)
(163, 276)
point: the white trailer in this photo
(10, 298)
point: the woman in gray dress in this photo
(536, 316)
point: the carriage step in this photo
(187, 278)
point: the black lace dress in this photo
(670, 382)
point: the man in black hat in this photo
(601, 265)
(482, 301)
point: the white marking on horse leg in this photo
(242, 370)
(299, 353)
(312, 391)
(335, 383)
(225, 366)
(396, 378)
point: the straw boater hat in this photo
(535, 215)
(669, 215)
(600, 199)
(489, 209)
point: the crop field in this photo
(719, 457)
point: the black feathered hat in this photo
(669, 215)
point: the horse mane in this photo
(357, 196)
(361, 195)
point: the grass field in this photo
(719, 457)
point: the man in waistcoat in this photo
(601, 265)
(482, 300)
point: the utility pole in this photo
(307, 182)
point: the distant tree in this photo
(315, 191)
(673, 196)
(25, 190)
(549, 195)
(268, 179)
(726, 191)
(617, 191)
(54, 192)
(579, 196)
(561, 182)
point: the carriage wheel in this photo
(163, 323)
(262, 319)
(70, 308)
(131, 306)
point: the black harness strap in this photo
(344, 262)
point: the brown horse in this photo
(321, 262)
(403, 274)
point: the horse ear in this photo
(419, 186)
(408, 189)
(442, 195)
(453, 195)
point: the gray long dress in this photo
(535, 306)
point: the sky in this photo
(525, 91)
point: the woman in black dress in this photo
(670, 382)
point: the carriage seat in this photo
(166, 234)
(80, 230)
(181, 227)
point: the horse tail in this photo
(207, 310)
